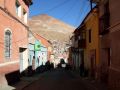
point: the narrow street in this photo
(61, 80)
(59, 45)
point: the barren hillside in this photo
(51, 28)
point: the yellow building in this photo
(91, 51)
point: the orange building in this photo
(86, 45)
(91, 52)
(13, 35)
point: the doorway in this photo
(93, 63)
(22, 52)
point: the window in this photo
(25, 16)
(18, 8)
(90, 36)
(109, 56)
(7, 44)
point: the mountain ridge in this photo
(50, 28)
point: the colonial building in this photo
(86, 45)
(109, 26)
(104, 36)
(91, 51)
(75, 50)
(45, 49)
(13, 36)
(114, 50)
(39, 50)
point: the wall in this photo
(10, 6)
(91, 23)
(19, 37)
(114, 71)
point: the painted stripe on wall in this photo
(8, 63)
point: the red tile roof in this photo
(42, 40)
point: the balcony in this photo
(95, 1)
(82, 43)
(104, 24)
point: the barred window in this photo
(90, 36)
(7, 44)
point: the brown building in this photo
(114, 34)
(109, 33)
(104, 40)
(13, 37)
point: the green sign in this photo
(37, 45)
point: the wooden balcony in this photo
(104, 24)
(82, 43)
(95, 1)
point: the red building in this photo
(13, 36)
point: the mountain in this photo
(50, 28)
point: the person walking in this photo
(33, 64)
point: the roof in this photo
(44, 41)
(82, 24)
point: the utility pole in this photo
(91, 4)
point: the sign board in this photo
(37, 45)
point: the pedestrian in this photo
(82, 69)
(38, 60)
(33, 64)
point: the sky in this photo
(69, 11)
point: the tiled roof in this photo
(42, 40)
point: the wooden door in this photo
(93, 63)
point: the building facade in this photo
(39, 50)
(91, 51)
(114, 35)
(109, 42)
(85, 51)
(104, 40)
(14, 35)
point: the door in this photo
(105, 63)
(21, 62)
(93, 63)
(31, 54)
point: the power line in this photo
(70, 9)
(83, 12)
(81, 9)
(57, 6)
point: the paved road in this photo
(60, 80)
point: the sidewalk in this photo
(7, 87)
(3, 83)
(25, 81)
(97, 85)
